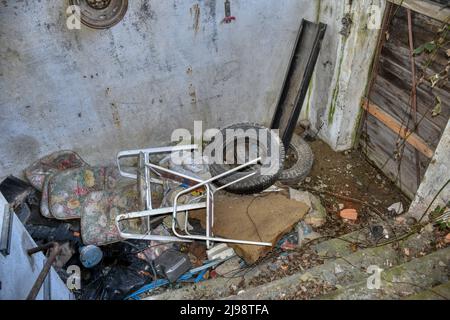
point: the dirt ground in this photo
(349, 174)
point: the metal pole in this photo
(55, 250)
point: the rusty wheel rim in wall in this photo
(101, 14)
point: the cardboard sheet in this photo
(265, 218)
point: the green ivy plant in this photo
(431, 48)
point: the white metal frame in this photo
(144, 155)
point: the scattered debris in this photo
(396, 208)
(90, 256)
(305, 233)
(172, 264)
(66, 253)
(197, 253)
(220, 251)
(317, 214)
(349, 214)
(134, 268)
(15, 190)
(18, 193)
(62, 232)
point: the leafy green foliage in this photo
(428, 47)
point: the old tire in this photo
(266, 175)
(302, 164)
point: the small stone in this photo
(308, 179)
(341, 206)
(349, 166)
(301, 196)
(400, 220)
(349, 214)
(317, 215)
(411, 221)
(429, 228)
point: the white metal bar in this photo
(208, 238)
(135, 153)
(159, 211)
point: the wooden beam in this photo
(412, 138)
(428, 8)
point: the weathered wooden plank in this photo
(390, 108)
(391, 84)
(412, 138)
(400, 112)
(428, 8)
(398, 105)
(399, 54)
(379, 146)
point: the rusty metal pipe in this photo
(55, 250)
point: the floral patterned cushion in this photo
(67, 190)
(98, 226)
(52, 163)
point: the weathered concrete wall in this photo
(339, 83)
(437, 175)
(161, 68)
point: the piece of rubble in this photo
(220, 251)
(317, 214)
(447, 238)
(305, 233)
(65, 255)
(349, 214)
(301, 196)
(400, 220)
(396, 208)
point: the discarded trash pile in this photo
(154, 223)
(136, 231)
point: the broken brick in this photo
(349, 214)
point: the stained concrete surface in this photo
(165, 65)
